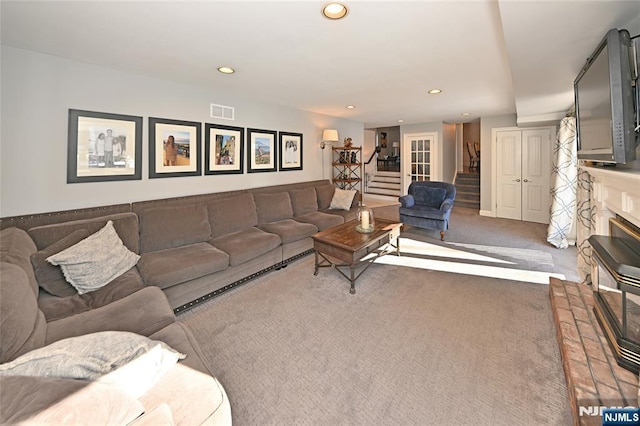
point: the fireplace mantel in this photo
(614, 192)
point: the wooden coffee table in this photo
(342, 246)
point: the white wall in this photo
(448, 152)
(38, 90)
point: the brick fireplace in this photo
(593, 375)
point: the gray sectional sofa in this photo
(196, 247)
(191, 248)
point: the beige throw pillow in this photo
(95, 261)
(342, 199)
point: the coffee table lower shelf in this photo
(350, 252)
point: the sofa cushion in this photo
(245, 245)
(429, 196)
(233, 214)
(125, 224)
(165, 268)
(273, 207)
(321, 220)
(16, 247)
(342, 199)
(55, 308)
(143, 312)
(50, 401)
(304, 201)
(22, 324)
(95, 261)
(173, 226)
(290, 230)
(160, 415)
(325, 195)
(50, 277)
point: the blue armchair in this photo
(428, 205)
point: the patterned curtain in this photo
(585, 225)
(564, 175)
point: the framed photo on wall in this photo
(261, 153)
(174, 148)
(223, 149)
(290, 151)
(103, 147)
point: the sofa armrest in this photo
(446, 205)
(51, 401)
(143, 312)
(407, 200)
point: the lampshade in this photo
(395, 144)
(330, 135)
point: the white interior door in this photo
(536, 174)
(418, 155)
(509, 174)
(523, 174)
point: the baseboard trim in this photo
(487, 213)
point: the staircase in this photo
(385, 183)
(468, 190)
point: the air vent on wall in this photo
(222, 111)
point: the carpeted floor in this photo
(413, 346)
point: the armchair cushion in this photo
(407, 200)
(428, 196)
(425, 212)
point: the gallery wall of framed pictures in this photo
(108, 147)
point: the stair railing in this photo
(364, 167)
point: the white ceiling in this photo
(488, 57)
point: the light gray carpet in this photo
(411, 347)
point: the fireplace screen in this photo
(616, 286)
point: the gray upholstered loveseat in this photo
(190, 249)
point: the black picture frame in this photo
(91, 134)
(184, 158)
(223, 149)
(262, 155)
(290, 151)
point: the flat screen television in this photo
(606, 102)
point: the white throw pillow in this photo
(136, 377)
(95, 261)
(342, 199)
(92, 356)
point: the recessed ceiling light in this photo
(434, 91)
(226, 70)
(466, 113)
(335, 10)
(400, 121)
(350, 107)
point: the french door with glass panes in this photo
(418, 158)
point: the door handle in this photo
(517, 180)
(526, 180)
